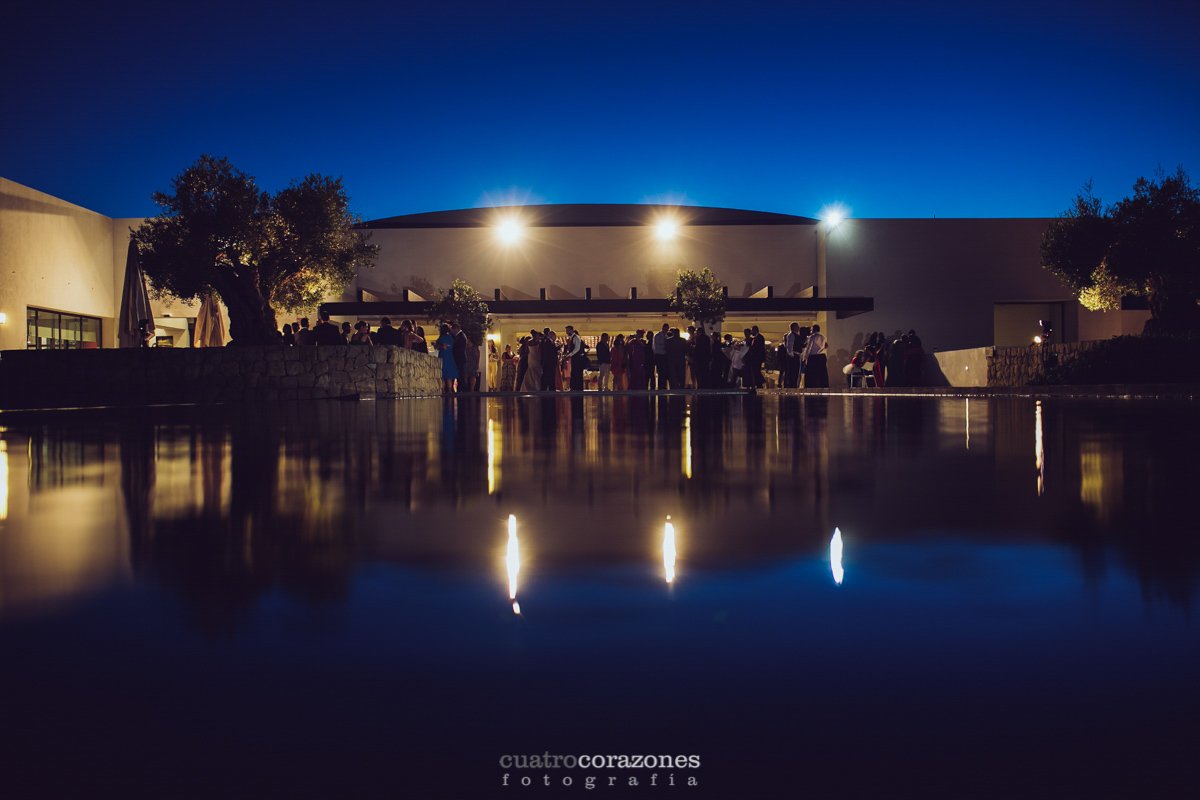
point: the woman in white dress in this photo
(532, 382)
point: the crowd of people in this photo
(882, 363)
(666, 359)
(670, 358)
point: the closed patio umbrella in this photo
(135, 301)
(210, 326)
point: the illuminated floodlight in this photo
(666, 229)
(834, 215)
(1037, 340)
(510, 230)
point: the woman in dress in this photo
(617, 357)
(508, 370)
(493, 366)
(445, 346)
(362, 333)
(419, 344)
(532, 382)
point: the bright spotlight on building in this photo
(666, 229)
(834, 215)
(510, 230)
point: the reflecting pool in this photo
(815, 596)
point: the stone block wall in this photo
(65, 378)
(1019, 366)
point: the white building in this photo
(961, 283)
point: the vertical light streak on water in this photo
(491, 455)
(1039, 455)
(512, 561)
(968, 412)
(687, 445)
(3, 479)
(835, 556)
(668, 551)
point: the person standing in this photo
(576, 354)
(445, 348)
(532, 379)
(304, 337)
(549, 358)
(385, 334)
(791, 351)
(326, 333)
(419, 343)
(526, 351)
(662, 368)
(701, 358)
(604, 363)
(459, 350)
(718, 362)
(635, 356)
(816, 367)
(472, 360)
(618, 362)
(649, 361)
(676, 359)
(756, 356)
(508, 370)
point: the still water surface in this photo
(384, 598)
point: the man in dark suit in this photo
(326, 333)
(756, 357)
(701, 358)
(549, 359)
(792, 344)
(676, 359)
(386, 333)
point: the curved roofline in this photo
(586, 215)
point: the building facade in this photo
(961, 283)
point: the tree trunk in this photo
(251, 318)
(1173, 308)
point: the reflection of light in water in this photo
(835, 556)
(491, 456)
(1038, 454)
(669, 550)
(512, 560)
(3, 481)
(968, 412)
(1101, 470)
(687, 446)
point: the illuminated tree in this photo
(259, 252)
(1145, 245)
(462, 304)
(698, 297)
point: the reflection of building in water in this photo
(62, 535)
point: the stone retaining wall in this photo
(1019, 366)
(64, 378)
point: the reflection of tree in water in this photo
(291, 521)
(1135, 480)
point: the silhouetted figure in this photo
(816, 366)
(676, 359)
(326, 333)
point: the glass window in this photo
(53, 330)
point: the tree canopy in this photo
(1147, 244)
(698, 296)
(463, 305)
(260, 252)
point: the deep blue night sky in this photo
(895, 110)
